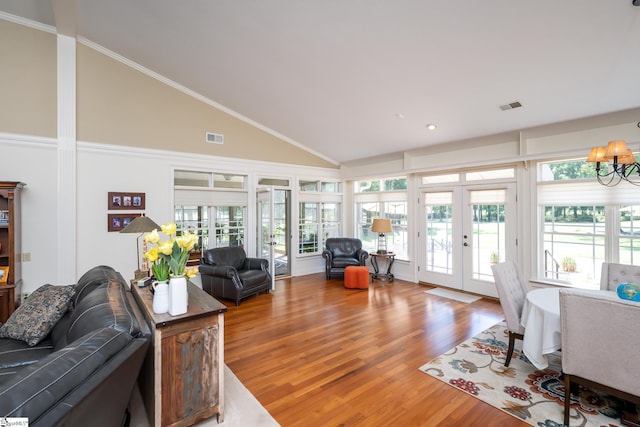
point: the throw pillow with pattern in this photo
(37, 315)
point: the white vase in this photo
(160, 297)
(178, 295)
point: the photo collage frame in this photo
(128, 201)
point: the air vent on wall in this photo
(215, 138)
(510, 106)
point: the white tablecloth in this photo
(541, 320)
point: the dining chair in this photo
(613, 274)
(512, 292)
(600, 344)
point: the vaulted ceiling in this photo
(349, 79)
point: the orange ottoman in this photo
(356, 277)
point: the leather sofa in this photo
(341, 252)
(228, 273)
(84, 371)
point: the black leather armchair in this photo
(341, 252)
(228, 273)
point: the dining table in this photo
(541, 320)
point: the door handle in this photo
(465, 244)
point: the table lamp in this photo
(141, 224)
(381, 226)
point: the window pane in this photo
(331, 224)
(192, 179)
(330, 187)
(398, 240)
(439, 226)
(488, 238)
(366, 213)
(229, 226)
(229, 181)
(440, 179)
(194, 220)
(492, 174)
(308, 223)
(367, 186)
(391, 184)
(574, 244)
(308, 186)
(629, 247)
(566, 170)
(274, 181)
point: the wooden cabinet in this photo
(183, 375)
(10, 248)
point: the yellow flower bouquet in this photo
(169, 257)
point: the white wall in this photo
(34, 163)
(105, 168)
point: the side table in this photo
(389, 257)
(182, 380)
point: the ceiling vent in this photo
(215, 138)
(510, 106)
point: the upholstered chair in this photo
(600, 344)
(613, 274)
(512, 291)
(341, 252)
(228, 273)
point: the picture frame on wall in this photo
(4, 273)
(125, 201)
(116, 222)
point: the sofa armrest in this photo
(256, 264)
(40, 385)
(328, 255)
(224, 271)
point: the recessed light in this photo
(399, 116)
(431, 126)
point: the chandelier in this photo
(619, 164)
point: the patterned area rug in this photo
(537, 397)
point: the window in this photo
(228, 225)
(317, 222)
(583, 223)
(194, 220)
(382, 198)
(574, 243)
(386, 184)
(309, 226)
(319, 186)
(211, 205)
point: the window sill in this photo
(541, 283)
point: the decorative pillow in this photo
(35, 317)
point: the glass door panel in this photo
(441, 263)
(273, 233)
(488, 235)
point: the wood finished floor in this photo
(317, 354)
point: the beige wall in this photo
(27, 81)
(120, 105)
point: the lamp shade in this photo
(381, 226)
(627, 159)
(140, 224)
(597, 154)
(616, 148)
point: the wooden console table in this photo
(182, 380)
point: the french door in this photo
(464, 230)
(273, 207)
